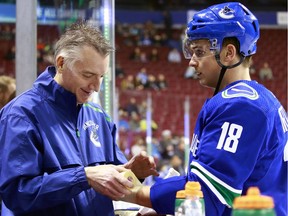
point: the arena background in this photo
(173, 110)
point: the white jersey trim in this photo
(241, 90)
(208, 183)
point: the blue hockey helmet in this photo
(231, 19)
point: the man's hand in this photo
(142, 165)
(107, 180)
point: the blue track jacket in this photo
(45, 143)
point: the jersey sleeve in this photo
(224, 152)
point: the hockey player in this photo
(241, 132)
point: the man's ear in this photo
(59, 63)
(230, 52)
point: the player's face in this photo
(86, 75)
(204, 62)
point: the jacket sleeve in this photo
(24, 184)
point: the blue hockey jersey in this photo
(240, 140)
(45, 143)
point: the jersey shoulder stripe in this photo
(224, 192)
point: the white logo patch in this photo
(94, 138)
(240, 90)
(286, 152)
(226, 13)
(194, 145)
(283, 118)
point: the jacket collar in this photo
(53, 92)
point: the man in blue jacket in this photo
(58, 153)
(240, 137)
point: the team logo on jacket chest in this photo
(194, 145)
(92, 129)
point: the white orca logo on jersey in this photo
(226, 13)
(94, 138)
(283, 118)
(194, 145)
(240, 90)
(286, 152)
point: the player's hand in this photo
(107, 180)
(142, 165)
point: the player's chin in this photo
(205, 84)
(202, 82)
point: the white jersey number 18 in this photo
(229, 138)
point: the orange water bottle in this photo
(193, 205)
(253, 204)
(195, 188)
(180, 197)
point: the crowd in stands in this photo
(168, 149)
(7, 32)
(132, 117)
(265, 72)
(44, 51)
(143, 80)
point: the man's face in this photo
(204, 62)
(85, 76)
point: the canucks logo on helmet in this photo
(227, 13)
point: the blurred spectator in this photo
(154, 55)
(7, 32)
(134, 30)
(190, 73)
(142, 79)
(7, 89)
(143, 124)
(143, 57)
(265, 73)
(152, 82)
(146, 40)
(125, 32)
(128, 83)
(142, 108)
(11, 53)
(155, 151)
(131, 106)
(177, 163)
(138, 146)
(174, 56)
(180, 148)
(166, 146)
(123, 122)
(119, 71)
(161, 82)
(149, 28)
(134, 122)
(136, 54)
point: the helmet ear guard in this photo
(224, 20)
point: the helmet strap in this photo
(224, 69)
